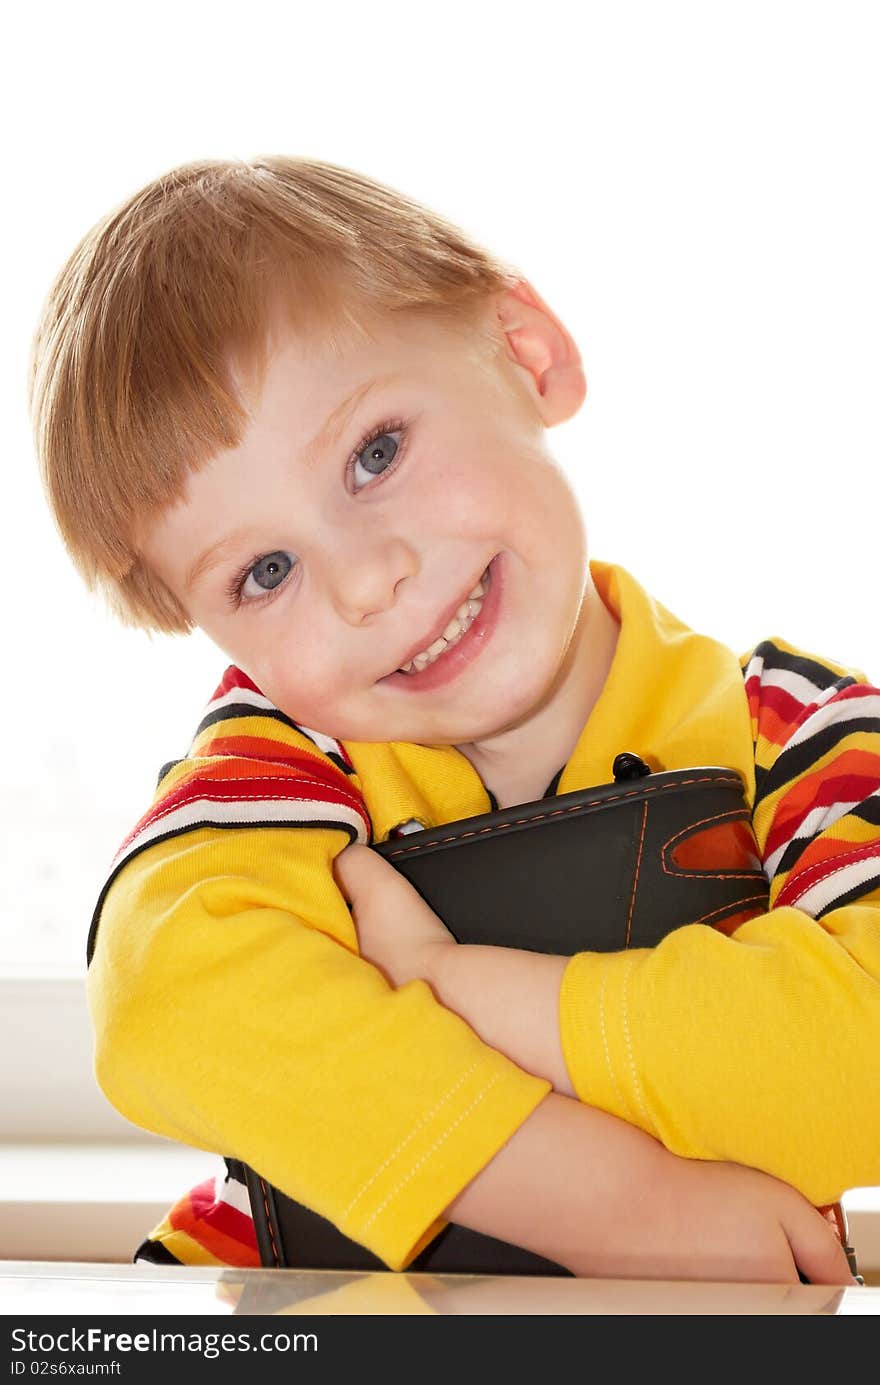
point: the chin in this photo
(508, 712)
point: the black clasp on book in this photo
(629, 766)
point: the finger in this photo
(347, 869)
(817, 1250)
(359, 872)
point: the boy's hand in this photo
(396, 929)
(725, 1221)
(607, 1201)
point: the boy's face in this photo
(320, 567)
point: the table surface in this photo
(48, 1287)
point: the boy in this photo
(283, 403)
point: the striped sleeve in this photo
(249, 765)
(816, 729)
(211, 1224)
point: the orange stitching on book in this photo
(632, 898)
(735, 815)
(269, 1223)
(563, 812)
(733, 908)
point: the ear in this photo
(540, 346)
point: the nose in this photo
(364, 580)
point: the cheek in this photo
(243, 642)
(290, 680)
(472, 495)
(301, 673)
(521, 495)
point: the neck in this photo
(519, 762)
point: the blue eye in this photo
(375, 455)
(267, 574)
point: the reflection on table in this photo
(49, 1288)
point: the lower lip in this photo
(469, 647)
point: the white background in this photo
(691, 186)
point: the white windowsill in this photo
(90, 1201)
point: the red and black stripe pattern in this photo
(816, 729)
(210, 1225)
(249, 765)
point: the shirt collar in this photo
(673, 696)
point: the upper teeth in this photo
(460, 623)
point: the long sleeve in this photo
(232, 1012)
(762, 1047)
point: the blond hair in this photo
(131, 388)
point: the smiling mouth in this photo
(454, 631)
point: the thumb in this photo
(817, 1250)
(357, 870)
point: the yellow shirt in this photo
(232, 1012)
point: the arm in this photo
(641, 1212)
(232, 1012)
(771, 1059)
(757, 1048)
(509, 997)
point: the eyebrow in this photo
(327, 435)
